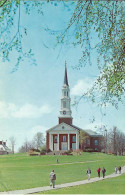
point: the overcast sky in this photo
(30, 97)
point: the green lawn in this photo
(20, 171)
(108, 186)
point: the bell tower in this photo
(65, 111)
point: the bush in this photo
(89, 150)
(48, 151)
(34, 150)
(43, 149)
(43, 153)
(69, 152)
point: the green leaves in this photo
(104, 19)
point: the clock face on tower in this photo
(64, 112)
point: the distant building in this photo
(3, 148)
(65, 135)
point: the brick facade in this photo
(65, 120)
(47, 141)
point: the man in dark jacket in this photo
(88, 172)
(119, 168)
(103, 172)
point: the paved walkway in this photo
(46, 188)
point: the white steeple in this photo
(65, 111)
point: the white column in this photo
(77, 141)
(57, 141)
(51, 142)
(68, 141)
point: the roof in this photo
(65, 76)
(87, 131)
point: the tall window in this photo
(96, 142)
(64, 93)
(64, 104)
(55, 138)
(73, 138)
(64, 138)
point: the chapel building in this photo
(66, 136)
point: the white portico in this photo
(63, 137)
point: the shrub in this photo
(89, 150)
(48, 151)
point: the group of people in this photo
(88, 172)
(52, 175)
(103, 172)
(118, 169)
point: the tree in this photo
(82, 139)
(116, 141)
(104, 141)
(38, 140)
(27, 145)
(104, 22)
(12, 33)
(12, 142)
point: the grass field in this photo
(20, 171)
(108, 186)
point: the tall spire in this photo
(65, 76)
(65, 111)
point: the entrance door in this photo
(55, 146)
(64, 146)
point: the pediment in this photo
(62, 127)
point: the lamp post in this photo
(105, 140)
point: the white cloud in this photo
(9, 110)
(82, 86)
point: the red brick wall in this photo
(47, 141)
(65, 120)
(93, 143)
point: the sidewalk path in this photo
(46, 188)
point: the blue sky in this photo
(30, 97)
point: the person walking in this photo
(88, 172)
(98, 171)
(52, 177)
(116, 169)
(103, 172)
(119, 168)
